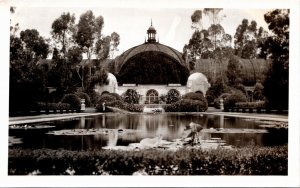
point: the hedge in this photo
(242, 161)
(232, 99)
(114, 100)
(53, 106)
(73, 100)
(258, 104)
(84, 96)
(217, 100)
(187, 105)
(190, 102)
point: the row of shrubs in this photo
(243, 161)
(230, 99)
(115, 100)
(53, 106)
(68, 102)
(190, 102)
(258, 104)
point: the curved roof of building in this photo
(251, 69)
(146, 47)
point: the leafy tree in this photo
(233, 71)
(276, 47)
(90, 39)
(86, 30)
(102, 48)
(258, 91)
(247, 38)
(200, 46)
(218, 87)
(115, 41)
(197, 20)
(62, 30)
(27, 75)
(172, 96)
(212, 42)
(131, 96)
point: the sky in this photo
(173, 25)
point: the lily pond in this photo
(122, 130)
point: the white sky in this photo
(173, 25)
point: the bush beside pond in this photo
(190, 102)
(71, 99)
(114, 100)
(242, 161)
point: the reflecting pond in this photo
(169, 126)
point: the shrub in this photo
(259, 104)
(53, 106)
(236, 96)
(106, 98)
(133, 107)
(190, 102)
(172, 96)
(240, 161)
(72, 99)
(116, 95)
(194, 96)
(131, 96)
(187, 105)
(84, 96)
(258, 92)
(217, 100)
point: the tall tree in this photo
(247, 38)
(233, 71)
(27, 76)
(197, 20)
(115, 41)
(89, 28)
(62, 30)
(276, 47)
(212, 42)
(102, 48)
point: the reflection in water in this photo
(169, 126)
(112, 138)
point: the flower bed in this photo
(243, 161)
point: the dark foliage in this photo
(244, 161)
(172, 96)
(71, 99)
(232, 99)
(131, 97)
(276, 47)
(84, 96)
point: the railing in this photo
(254, 110)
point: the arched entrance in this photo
(152, 97)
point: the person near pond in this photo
(194, 129)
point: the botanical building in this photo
(152, 70)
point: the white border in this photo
(162, 181)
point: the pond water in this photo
(169, 126)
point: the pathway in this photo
(49, 117)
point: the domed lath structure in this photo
(152, 70)
(148, 63)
